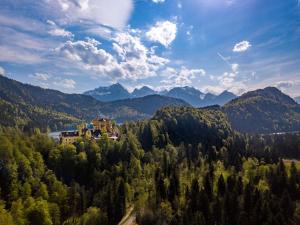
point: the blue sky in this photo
(213, 45)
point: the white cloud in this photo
(128, 46)
(227, 79)
(101, 31)
(242, 46)
(40, 76)
(133, 60)
(11, 38)
(163, 32)
(230, 81)
(284, 85)
(85, 51)
(181, 77)
(57, 31)
(2, 71)
(65, 83)
(235, 67)
(21, 23)
(136, 60)
(45, 80)
(158, 1)
(212, 89)
(90, 57)
(23, 47)
(50, 22)
(113, 13)
(17, 55)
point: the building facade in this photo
(102, 124)
(69, 137)
(93, 130)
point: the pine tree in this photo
(221, 186)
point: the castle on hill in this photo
(93, 130)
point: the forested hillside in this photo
(264, 111)
(139, 108)
(30, 107)
(210, 176)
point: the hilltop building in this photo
(93, 130)
(68, 137)
(102, 124)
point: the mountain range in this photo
(262, 111)
(297, 99)
(189, 94)
(28, 106)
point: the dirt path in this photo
(129, 218)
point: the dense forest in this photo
(269, 109)
(184, 166)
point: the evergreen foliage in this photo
(213, 176)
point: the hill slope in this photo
(189, 125)
(140, 108)
(27, 105)
(264, 111)
(30, 106)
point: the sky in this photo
(213, 45)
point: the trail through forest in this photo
(129, 218)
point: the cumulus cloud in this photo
(40, 76)
(57, 31)
(91, 57)
(283, 85)
(163, 32)
(46, 80)
(132, 60)
(65, 83)
(128, 46)
(85, 51)
(181, 77)
(242, 46)
(227, 79)
(2, 71)
(137, 60)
